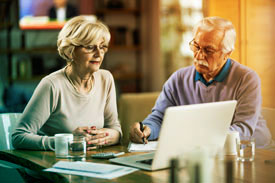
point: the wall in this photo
(255, 46)
(260, 44)
(228, 9)
(152, 64)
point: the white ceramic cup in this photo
(62, 144)
(230, 146)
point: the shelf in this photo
(54, 49)
(4, 1)
(124, 21)
(30, 50)
(118, 11)
(124, 48)
(5, 25)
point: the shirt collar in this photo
(219, 78)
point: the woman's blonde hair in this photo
(80, 31)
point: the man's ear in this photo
(226, 55)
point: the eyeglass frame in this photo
(198, 48)
(94, 48)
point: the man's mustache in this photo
(201, 62)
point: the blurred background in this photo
(149, 41)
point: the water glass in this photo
(199, 163)
(245, 148)
(77, 147)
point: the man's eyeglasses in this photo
(94, 48)
(206, 50)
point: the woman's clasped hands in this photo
(96, 138)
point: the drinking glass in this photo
(245, 148)
(77, 147)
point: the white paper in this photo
(89, 169)
(151, 146)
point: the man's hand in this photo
(136, 135)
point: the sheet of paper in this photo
(89, 169)
(151, 146)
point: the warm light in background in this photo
(177, 20)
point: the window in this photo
(177, 20)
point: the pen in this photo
(141, 129)
(119, 154)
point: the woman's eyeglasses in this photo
(94, 48)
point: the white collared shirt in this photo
(61, 14)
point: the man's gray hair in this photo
(210, 23)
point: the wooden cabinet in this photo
(25, 54)
(123, 58)
(255, 46)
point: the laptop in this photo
(185, 127)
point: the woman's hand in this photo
(83, 131)
(98, 137)
(137, 136)
(102, 137)
(90, 134)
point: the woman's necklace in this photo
(75, 87)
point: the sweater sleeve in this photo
(166, 99)
(36, 113)
(110, 110)
(249, 104)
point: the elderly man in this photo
(213, 77)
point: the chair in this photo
(269, 116)
(9, 171)
(133, 107)
(8, 122)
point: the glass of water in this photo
(77, 147)
(245, 148)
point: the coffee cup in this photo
(61, 142)
(230, 143)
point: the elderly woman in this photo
(79, 98)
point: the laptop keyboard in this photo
(147, 161)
